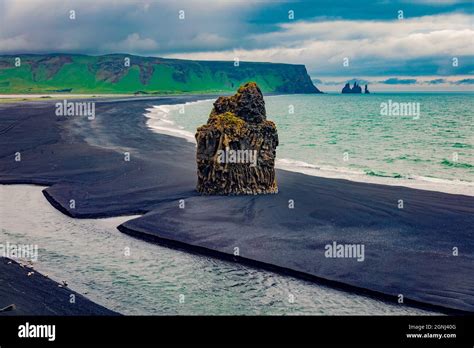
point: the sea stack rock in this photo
(356, 89)
(236, 149)
(346, 88)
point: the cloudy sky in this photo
(405, 45)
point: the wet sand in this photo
(36, 294)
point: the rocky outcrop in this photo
(355, 89)
(366, 90)
(236, 149)
(346, 88)
(294, 79)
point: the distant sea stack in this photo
(356, 89)
(236, 149)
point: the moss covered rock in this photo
(236, 149)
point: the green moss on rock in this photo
(237, 123)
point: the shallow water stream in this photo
(135, 277)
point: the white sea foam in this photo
(160, 121)
(414, 181)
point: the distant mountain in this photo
(73, 73)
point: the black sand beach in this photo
(407, 251)
(36, 294)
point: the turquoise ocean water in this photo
(348, 136)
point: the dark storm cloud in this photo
(320, 36)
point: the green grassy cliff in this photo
(54, 73)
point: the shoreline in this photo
(168, 127)
(361, 209)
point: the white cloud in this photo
(106, 25)
(351, 29)
(325, 43)
(131, 44)
(223, 31)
